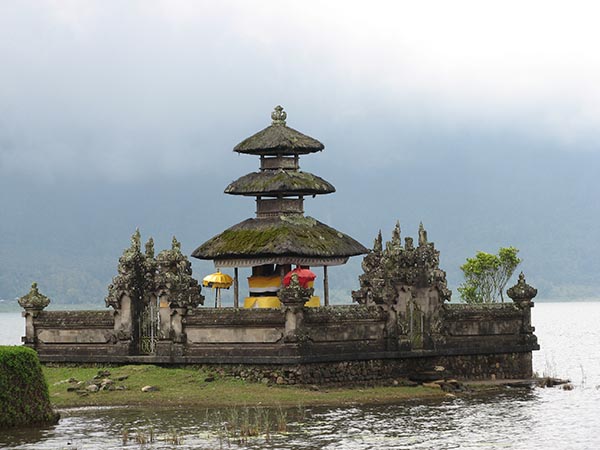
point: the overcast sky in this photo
(127, 89)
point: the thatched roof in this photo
(282, 182)
(283, 236)
(279, 139)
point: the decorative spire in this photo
(175, 244)
(377, 245)
(136, 240)
(522, 292)
(422, 235)
(150, 248)
(396, 240)
(34, 300)
(278, 116)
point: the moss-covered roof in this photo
(282, 182)
(279, 139)
(283, 236)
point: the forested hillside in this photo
(68, 236)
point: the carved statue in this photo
(174, 278)
(422, 235)
(131, 275)
(414, 267)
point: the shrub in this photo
(24, 398)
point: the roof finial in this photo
(278, 116)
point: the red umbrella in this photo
(305, 276)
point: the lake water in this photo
(569, 334)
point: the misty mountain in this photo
(68, 233)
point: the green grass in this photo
(187, 387)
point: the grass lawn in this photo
(188, 386)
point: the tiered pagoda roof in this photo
(280, 233)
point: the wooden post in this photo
(325, 286)
(236, 289)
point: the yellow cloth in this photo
(273, 302)
(264, 284)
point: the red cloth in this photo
(305, 276)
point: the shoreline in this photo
(193, 387)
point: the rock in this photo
(122, 377)
(92, 388)
(551, 382)
(265, 380)
(149, 389)
(432, 385)
(314, 387)
(439, 368)
(209, 379)
(121, 388)
(567, 387)
(73, 380)
(280, 380)
(102, 374)
(72, 388)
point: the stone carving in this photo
(141, 276)
(293, 297)
(34, 299)
(422, 235)
(278, 116)
(150, 267)
(294, 294)
(130, 280)
(174, 278)
(521, 293)
(398, 266)
(372, 280)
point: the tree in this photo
(486, 275)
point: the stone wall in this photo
(401, 325)
(336, 343)
(462, 367)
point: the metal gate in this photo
(148, 326)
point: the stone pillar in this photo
(164, 314)
(124, 327)
(177, 315)
(236, 288)
(293, 298)
(392, 334)
(522, 295)
(178, 336)
(325, 287)
(33, 302)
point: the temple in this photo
(281, 235)
(399, 321)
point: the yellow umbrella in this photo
(217, 281)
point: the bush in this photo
(24, 398)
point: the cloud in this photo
(152, 88)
